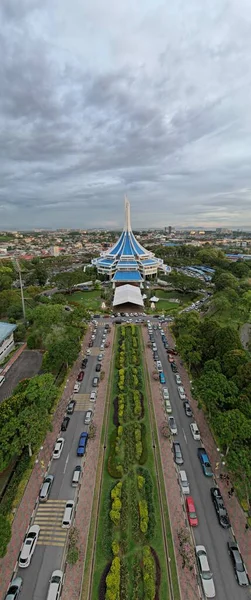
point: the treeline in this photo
(222, 385)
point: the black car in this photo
(219, 507)
(187, 409)
(239, 567)
(90, 344)
(70, 407)
(84, 363)
(174, 367)
(65, 423)
(155, 355)
(98, 367)
(165, 345)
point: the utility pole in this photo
(21, 287)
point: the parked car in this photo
(184, 482)
(98, 367)
(76, 387)
(55, 585)
(170, 358)
(80, 376)
(95, 381)
(220, 507)
(68, 514)
(165, 394)
(76, 476)
(162, 378)
(174, 367)
(168, 406)
(58, 448)
(14, 589)
(205, 462)
(65, 423)
(70, 407)
(204, 572)
(90, 344)
(181, 392)
(82, 443)
(93, 396)
(159, 366)
(177, 453)
(172, 351)
(84, 362)
(238, 564)
(88, 417)
(88, 351)
(100, 357)
(46, 488)
(191, 512)
(187, 409)
(102, 346)
(172, 425)
(195, 431)
(29, 546)
(178, 379)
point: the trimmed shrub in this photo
(143, 514)
(140, 482)
(113, 580)
(148, 574)
(115, 548)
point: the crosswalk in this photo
(49, 517)
(82, 401)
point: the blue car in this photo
(162, 378)
(82, 443)
(205, 462)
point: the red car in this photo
(191, 513)
(170, 358)
(80, 376)
(172, 351)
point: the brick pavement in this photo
(236, 514)
(14, 358)
(74, 573)
(187, 579)
(27, 504)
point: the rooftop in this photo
(5, 330)
(127, 276)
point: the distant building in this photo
(6, 339)
(55, 250)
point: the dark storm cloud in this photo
(98, 100)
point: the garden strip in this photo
(130, 554)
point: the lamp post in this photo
(21, 286)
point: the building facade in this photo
(6, 339)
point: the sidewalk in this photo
(187, 579)
(74, 573)
(236, 514)
(13, 359)
(24, 511)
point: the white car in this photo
(29, 546)
(102, 346)
(165, 394)
(168, 406)
(93, 396)
(159, 365)
(55, 586)
(172, 425)
(68, 514)
(58, 448)
(178, 379)
(204, 571)
(195, 431)
(184, 482)
(93, 337)
(76, 387)
(181, 392)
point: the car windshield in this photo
(206, 575)
(192, 515)
(55, 579)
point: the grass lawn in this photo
(90, 300)
(107, 532)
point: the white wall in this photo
(6, 347)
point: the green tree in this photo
(225, 280)
(230, 427)
(232, 360)
(5, 534)
(61, 353)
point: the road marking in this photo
(49, 517)
(184, 435)
(66, 462)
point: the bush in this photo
(116, 491)
(114, 468)
(143, 514)
(143, 457)
(113, 580)
(140, 481)
(148, 574)
(72, 556)
(5, 535)
(115, 548)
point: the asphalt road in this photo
(49, 555)
(208, 533)
(27, 364)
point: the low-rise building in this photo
(6, 339)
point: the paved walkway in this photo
(236, 514)
(27, 504)
(13, 358)
(74, 573)
(187, 579)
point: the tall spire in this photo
(127, 215)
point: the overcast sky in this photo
(102, 98)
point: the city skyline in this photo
(110, 99)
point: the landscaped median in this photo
(130, 560)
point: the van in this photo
(55, 585)
(76, 476)
(2, 380)
(184, 482)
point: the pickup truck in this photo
(205, 462)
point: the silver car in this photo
(46, 488)
(204, 571)
(14, 589)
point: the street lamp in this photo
(21, 286)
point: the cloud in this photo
(101, 99)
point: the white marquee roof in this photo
(127, 293)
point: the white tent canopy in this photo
(127, 294)
(154, 299)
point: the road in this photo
(50, 550)
(208, 533)
(27, 364)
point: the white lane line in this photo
(66, 463)
(184, 435)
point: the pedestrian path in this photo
(82, 401)
(49, 517)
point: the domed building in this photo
(127, 261)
